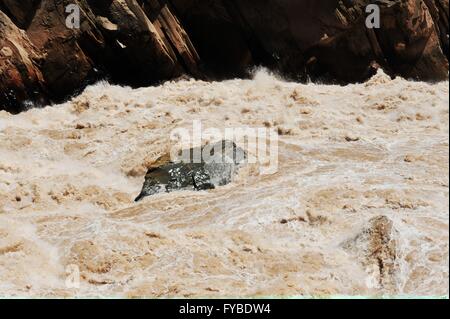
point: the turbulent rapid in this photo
(357, 206)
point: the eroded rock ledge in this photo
(143, 42)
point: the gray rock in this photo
(197, 169)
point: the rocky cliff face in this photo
(142, 42)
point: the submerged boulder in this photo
(200, 168)
(376, 248)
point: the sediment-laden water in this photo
(358, 205)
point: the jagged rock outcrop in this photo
(142, 42)
(20, 77)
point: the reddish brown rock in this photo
(439, 11)
(143, 42)
(128, 42)
(20, 77)
(67, 63)
(21, 12)
(326, 40)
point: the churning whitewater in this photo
(357, 206)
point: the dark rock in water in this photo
(198, 169)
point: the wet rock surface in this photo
(201, 168)
(376, 248)
(20, 76)
(143, 42)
